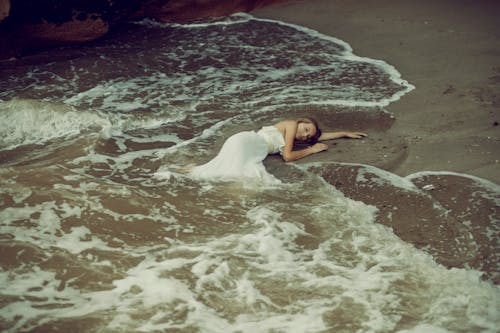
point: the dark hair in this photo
(309, 120)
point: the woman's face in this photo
(305, 131)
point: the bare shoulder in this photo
(286, 124)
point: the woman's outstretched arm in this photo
(344, 134)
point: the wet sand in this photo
(449, 51)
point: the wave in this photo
(452, 216)
(26, 121)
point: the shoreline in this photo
(448, 51)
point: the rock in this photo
(27, 25)
(4, 9)
(188, 10)
(74, 31)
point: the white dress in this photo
(241, 156)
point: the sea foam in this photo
(35, 122)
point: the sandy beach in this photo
(100, 231)
(449, 50)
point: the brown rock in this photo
(187, 10)
(25, 29)
(4, 9)
(75, 31)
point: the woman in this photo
(242, 154)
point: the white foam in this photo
(458, 307)
(310, 320)
(46, 230)
(424, 328)
(229, 20)
(273, 239)
(382, 177)
(247, 290)
(481, 181)
(33, 122)
(264, 74)
(486, 189)
(297, 257)
(357, 263)
(10, 188)
(349, 55)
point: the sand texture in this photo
(449, 50)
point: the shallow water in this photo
(99, 232)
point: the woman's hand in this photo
(317, 147)
(355, 135)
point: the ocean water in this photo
(100, 232)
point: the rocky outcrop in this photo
(27, 25)
(186, 10)
(4, 9)
(74, 31)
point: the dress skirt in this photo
(240, 157)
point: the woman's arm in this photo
(290, 129)
(337, 135)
